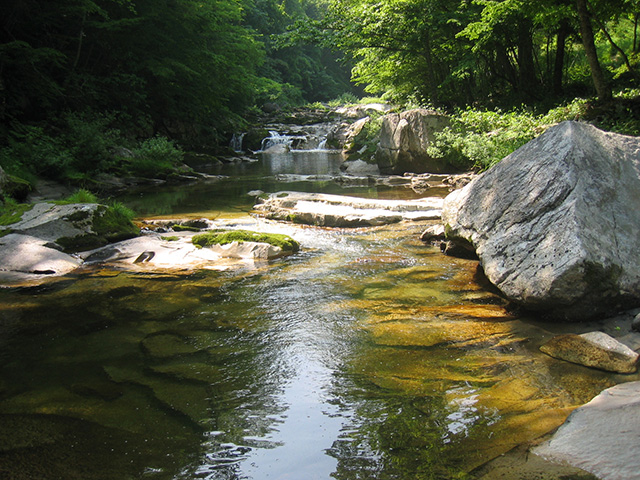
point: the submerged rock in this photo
(433, 233)
(555, 223)
(593, 349)
(342, 211)
(600, 437)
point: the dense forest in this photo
(79, 78)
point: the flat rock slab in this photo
(23, 258)
(593, 349)
(602, 436)
(154, 251)
(343, 211)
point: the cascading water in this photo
(276, 139)
(236, 142)
(307, 138)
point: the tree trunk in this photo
(558, 67)
(603, 90)
(617, 47)
(527, 79)
(432, 87)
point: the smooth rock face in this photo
(555, 224)
(153, 251)
(51, 222)
(404, 140)
(360, 167)
(593, 349)
(602, 436)
(343, 211)
(23, 256)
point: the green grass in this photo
(12, 211)
(222, 237)
(79, 196)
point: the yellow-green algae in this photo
(223, 237)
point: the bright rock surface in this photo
(601, 437)
(556, 223)
(343, 211)
(593, 349)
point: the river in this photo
(368, 355)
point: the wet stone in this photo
(187, 399)
(167, 345)
(593, 349)
(199, 372)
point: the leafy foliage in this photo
(479, 138)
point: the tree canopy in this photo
(168, 65)
(466, 51)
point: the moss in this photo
(171, 238)
(109, 225)
(11, 212)
(4, 232)
(17, 188)
(113, 225)
(185, 228)
(81, 243)
(221, 237)
(78, 216)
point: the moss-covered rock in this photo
(75, 227)
(223, 237)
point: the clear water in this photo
(368, 355)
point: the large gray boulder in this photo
(601, 437)
(555, 224)
(404, 140)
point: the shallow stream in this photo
(368, 355)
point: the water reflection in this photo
(367, 355)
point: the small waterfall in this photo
(286, 141)
(274, 139)
(307, 138)
(323, 144)
(236, 142)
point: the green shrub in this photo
(79, 196)
(32, 153)
(478, 139)
(89, 137)
(11, 211)
(156, 156)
